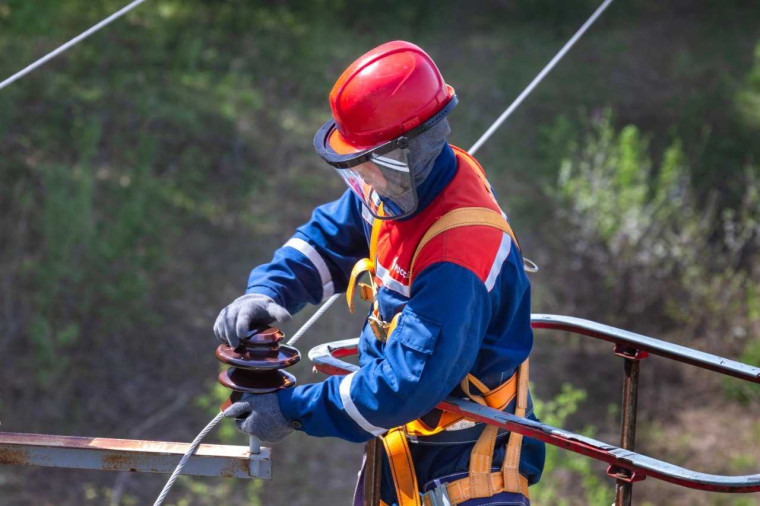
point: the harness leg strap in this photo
(372, 473)
(402, 467)
(481, 460)
(510, 468)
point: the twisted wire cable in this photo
(183, 461)
(113, 17)
(311, 321)
(549, 66)
(208, 428)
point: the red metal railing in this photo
(625, 466)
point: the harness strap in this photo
(465, 386)
(482, 482)
(376, 224)
(510, 468)
(481, 459)
(362, 266)
(459, 491)
(369, 292)
(459, 218)
(402, 468)
(498, 398)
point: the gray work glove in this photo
(260, 416)
(245, 312)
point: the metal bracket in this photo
(439, 496)
(629, 352)
(625, 475)
(132, 455)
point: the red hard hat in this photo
(385, 93)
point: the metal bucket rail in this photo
(625, 465)
(633, 341)
(132, 455)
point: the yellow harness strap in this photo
(380, 328)
(460, 218)
(498, 398)
(461, 492)
(510, 468)
(402, 468)
(362, 266)
(481, 482)
(365, 265)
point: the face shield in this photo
(381, 176)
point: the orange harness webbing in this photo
(461, 218)
(481, 481)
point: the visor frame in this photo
(345, 161)
(375, 203)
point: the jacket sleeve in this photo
(317, 261)
(433, 347)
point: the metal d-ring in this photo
(530, 265)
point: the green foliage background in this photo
(143, 173)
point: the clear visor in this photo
(383, 179)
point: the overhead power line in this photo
(549, 66)
(116, 15)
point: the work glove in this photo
(260, 416)
(250, 310)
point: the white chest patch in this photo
(398, 270)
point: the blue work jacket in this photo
(453, 321)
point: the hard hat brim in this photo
(338, 152)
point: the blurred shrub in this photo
(748, 98)
(636, 226)
(95, 263)
(742, 391)
(569, 478)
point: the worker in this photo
(450, 300)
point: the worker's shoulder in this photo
(481, 249)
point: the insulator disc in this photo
(266, 335)
(258, 357)
(242, 380)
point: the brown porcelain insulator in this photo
(242, 380)
(258, 357)
(266, 335)
(257, 362)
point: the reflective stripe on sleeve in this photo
(352, 411)
(316, 259)
(501, 255)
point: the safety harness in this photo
(481, 481)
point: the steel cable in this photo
(311, 321)
(208, 428)
(21, 73)
(193, 446)
(549, 66)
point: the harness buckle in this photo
(366, 292)
(439, 496)
(379, 328)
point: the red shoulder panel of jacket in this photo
(472, 247)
